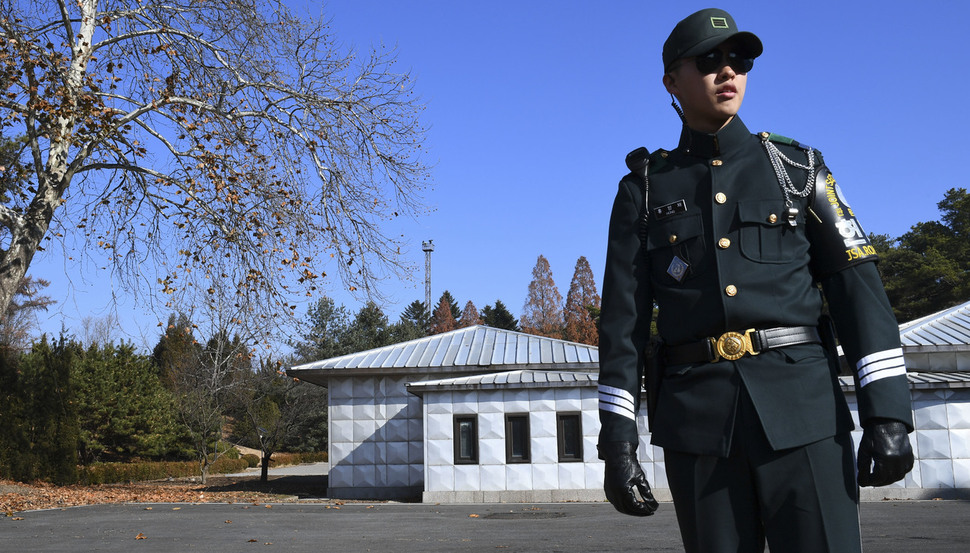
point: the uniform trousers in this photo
(803, 499)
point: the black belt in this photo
(735, 345)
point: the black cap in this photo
(702, 31)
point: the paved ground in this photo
(888, 527)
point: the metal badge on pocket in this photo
(677, 268)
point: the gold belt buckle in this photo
(733, 345)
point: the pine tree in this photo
(499, 317)
(582, 306)
(542, 312)
(443, 318)
(469, 316)
(417, 314)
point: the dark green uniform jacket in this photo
(720, 255)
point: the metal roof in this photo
(503, 380)
(472, 348)
(944, 331)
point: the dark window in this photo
(466, 439)
(569, 431)
(517, 439)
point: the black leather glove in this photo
(624, 478)
(885, 454)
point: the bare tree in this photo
(169, 134)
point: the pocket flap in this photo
(671, 232)
(765, 212)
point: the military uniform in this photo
(720, 247)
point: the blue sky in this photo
(532, 106)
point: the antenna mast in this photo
(428, 247)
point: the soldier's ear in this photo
(670, 84)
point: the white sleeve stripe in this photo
(618, 410)
(618, 392)
(898, 370)
(618, 401)
(877, 366)
(879, 356)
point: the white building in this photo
(488, 415)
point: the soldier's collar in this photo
(723, 142)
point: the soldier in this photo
(736, 237)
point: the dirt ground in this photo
(16, 496)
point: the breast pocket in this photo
(676, 248)
(765, 234)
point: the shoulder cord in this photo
(778, 161)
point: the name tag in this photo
(664, 211)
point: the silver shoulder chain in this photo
(778, 161)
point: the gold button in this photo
(724, 243)
(717, 163)
(772, 218)
(765, 134)
(673, 238)
(720, 198)
(664, 154)
(731, 290)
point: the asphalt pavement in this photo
(888, 527)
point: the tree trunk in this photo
(264, 470)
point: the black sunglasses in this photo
(714, 60)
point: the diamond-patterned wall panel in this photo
(440, 452)
(545, 450)
(960, 443)
(440, 427)
(365, 388)
(341, 412)
(930, 415)
(341, 431)
(365, 412)
(415, 475)
(590, 453)
(365, 476)
(416, 453)
(340, 389)
(364, 430)
(933, 444)
(441, 478)
(594, 475)
(568, 399)
(397, 453)
(936, 473)
(493, 478)
(545, 476)
(439, 403)
(491, 425)
(491, 451)
(365, 454)
(516, 401)
(542, 401)
(397, 475)
(341, 453)
(961, 473)
(518, 477)
(340, 476)
(958, 412)
(543, 424)
(396, 430)
(572, 476)
(468, 478)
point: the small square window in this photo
(569, 434)
(466, 440)
(517, 439)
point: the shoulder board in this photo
(637, 159)
(779, 139)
